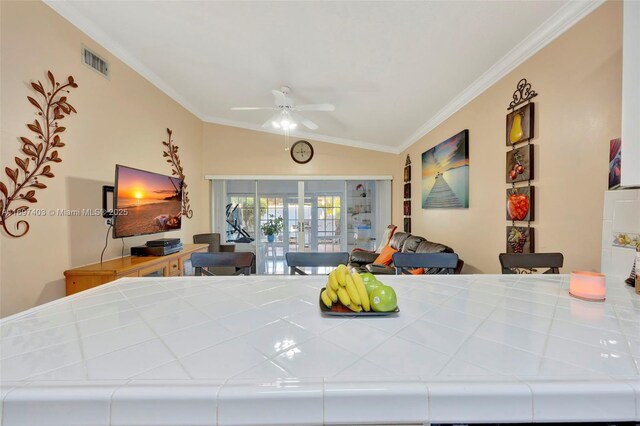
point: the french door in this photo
(311, 215)
(317, 215)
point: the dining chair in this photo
(446, 262)
(241, 261)
(517, 263)
(213, 239)
(296, 260)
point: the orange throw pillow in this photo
(417, 271)
(385, 256)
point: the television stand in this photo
(89, 276)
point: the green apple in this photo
(368, 276)
(383, 299)
(371, 285)
(370, 281)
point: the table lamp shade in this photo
(587, 285)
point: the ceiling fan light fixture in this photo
(287, 117)
(284, 122)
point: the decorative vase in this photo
(271, 238)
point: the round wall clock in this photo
(301, 152)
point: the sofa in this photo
(364, 261)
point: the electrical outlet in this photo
(108, 222)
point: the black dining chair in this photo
(443, 263)
(241, 261)
(515, 263)
(296, 260)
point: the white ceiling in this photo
(394, 70)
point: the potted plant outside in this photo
(272, 227)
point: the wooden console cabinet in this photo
(89, 276)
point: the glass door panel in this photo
(300, 221)
(326, 231)
(316, 216)
(361, 220)
(307, 236)
(240, 224)
(329, 220)
(275, 205)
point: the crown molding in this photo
(78, 20)
(558, 23)
(306, 135)
(298, 177)
(68, 12)
(563, 19)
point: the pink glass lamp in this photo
(587, 286)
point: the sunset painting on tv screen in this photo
(146, 202)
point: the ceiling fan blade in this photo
(315, 107)
(268, 124)
(305, 121)
(250, 108)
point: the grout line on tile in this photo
(40, 348)
(626, 338)
(324, 389)
(85, 370)
(161, 341)
(546, 339)
(224, 383)
(3, 410)
(471, 334)
(122, 385)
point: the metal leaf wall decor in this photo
(177, 170)
(51, 106)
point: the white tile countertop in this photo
(256, 350)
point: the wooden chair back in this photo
(242, 261)
(213, 239)
(296, 260)
(514, 263)
(447, 262)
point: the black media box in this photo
(155, 251)
(164, 242)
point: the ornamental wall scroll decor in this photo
(406, 209)
(522, 94)
(519, 169)
(51, 107)
(177, 170)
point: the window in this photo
(271, 208)
(240, 216)
(328, 231)
(319, 215)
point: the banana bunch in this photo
(347, 289)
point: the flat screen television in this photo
(145, 202)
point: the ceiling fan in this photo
(287, 117)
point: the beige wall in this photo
(121, 120)
(234, 151)
(578, 110)
(229, 151)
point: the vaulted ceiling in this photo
(392, 69)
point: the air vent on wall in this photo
(95, 62)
